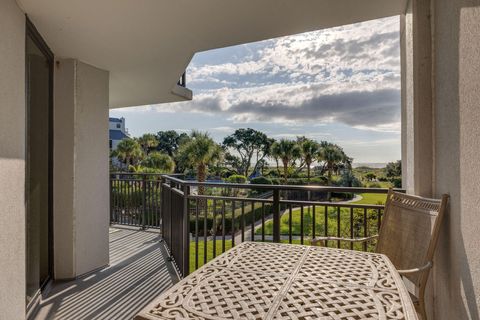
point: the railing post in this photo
(162, 210)
(276, 215)
(144, 200)
(111, 198)
(186, 231)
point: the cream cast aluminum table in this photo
(257, 280)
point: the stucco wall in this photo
(81, 168)
(12, 161)
(92, 200)
(457, 155)
(64, 254)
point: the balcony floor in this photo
(139, 271)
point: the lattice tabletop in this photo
(278, 281)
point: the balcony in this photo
(160, 232)
(139, 271)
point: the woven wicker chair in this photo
(408, 236)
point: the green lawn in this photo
(332, 227)
(372, 198)
(218, 250)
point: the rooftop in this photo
(116, 134)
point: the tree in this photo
(148, 141)
(200, 152)
(233, 162)
(310, 149)
(129, 151)
(251, 145)
(370, 176)
(160, 161)
(331, 155)
(169, 141)
(393, 169)
(348, 179)
(286, 151)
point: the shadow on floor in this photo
(139, 271)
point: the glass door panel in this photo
(38, 171)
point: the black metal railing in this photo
(135, 199)
(196, 228)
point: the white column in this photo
(417, 123)
(417, 107)
(12, 161)
(81, 194)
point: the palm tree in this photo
(287, 151)
(310, 149)
(331, 155)
(129, 151)
(200, 152)
(148, 141)
(159, 161)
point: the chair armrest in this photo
(318, 239)
(416, 270)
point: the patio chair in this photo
(408, 236)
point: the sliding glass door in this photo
(39, 64)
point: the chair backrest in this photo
(409, 231)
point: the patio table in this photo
(256, 280)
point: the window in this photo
(119, 125)
(110, 144)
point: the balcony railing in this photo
(135, 199)
(197, 227)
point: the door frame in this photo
(32, 33)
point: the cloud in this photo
(371, 108)
(319, 55)
(348, 75)
(352, 108)
(224, 129)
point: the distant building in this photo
(117, 132)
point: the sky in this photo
(340, 84)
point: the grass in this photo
(332, 227)
(201, 252)
(228, 245)
(218, 249)
(372, 198)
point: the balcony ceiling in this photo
(147, 44)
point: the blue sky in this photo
(340, 84)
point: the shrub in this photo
(375, 185)
(236, 178)
(276, 181)
(273, 173)
(250, 215)
(321, 181)
(397, 182)
(348, 179)
(261, 180)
